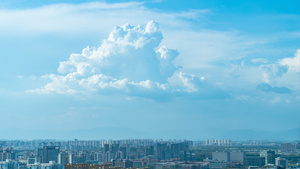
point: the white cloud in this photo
(200, 46)
(203, 52)
(129, 62)
(283, 73)
(278, 77)
(187, 82)
(293, 63)
(128, 52)
(59, 84)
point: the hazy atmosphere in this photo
(166, 69)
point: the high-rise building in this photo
(63, 158)
(221, 156)
(108, 156)
(270, 158)
(287, 147)
(161, 150)
(219, 142)
(237, 156)
(50, 153)
(105, 148)
(124, 152)
(176, 148)
(254, 161)
(281, 162)
(228, 156)
(149, 150)
(39, 155)
(8, 153)
(26, 154)
(123, 163)
(114, 148)
(31, 160)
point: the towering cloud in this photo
(129, 61)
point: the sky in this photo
(167, 69)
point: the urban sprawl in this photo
(150, 154)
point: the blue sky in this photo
(149, 69)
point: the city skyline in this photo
(119, 69)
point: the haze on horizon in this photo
(149, 69)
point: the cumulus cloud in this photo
(284, 72)
(130, 61)
(293, 63)
(128, 52)
(269, 76)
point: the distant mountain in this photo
(248, 134)
(124, 133)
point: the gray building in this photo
(161, 149)
(221, 156)
(270, 158)
(254, 161)
(50, 153)
(281, 162)
(237, 156)
(228, 156)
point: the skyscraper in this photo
(270, 158)
(50, 153)
(161, 151)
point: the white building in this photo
(281, 162)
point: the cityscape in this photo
(149, 154)
(150, 84)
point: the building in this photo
(253, 167)
(217, 165)
(270, 158)
(123, 163)
(87, 166)
(26, 154)
(219, 142)
(228, 156)
(50, 153)
(237, 156)
(63, 158)
(31, 160)
(161, 149)
(221, 156)
(9, 164)
(6, 154)
(177, 165)
(254, 161)
(287, 147)
(281, 162)
(50, 165)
